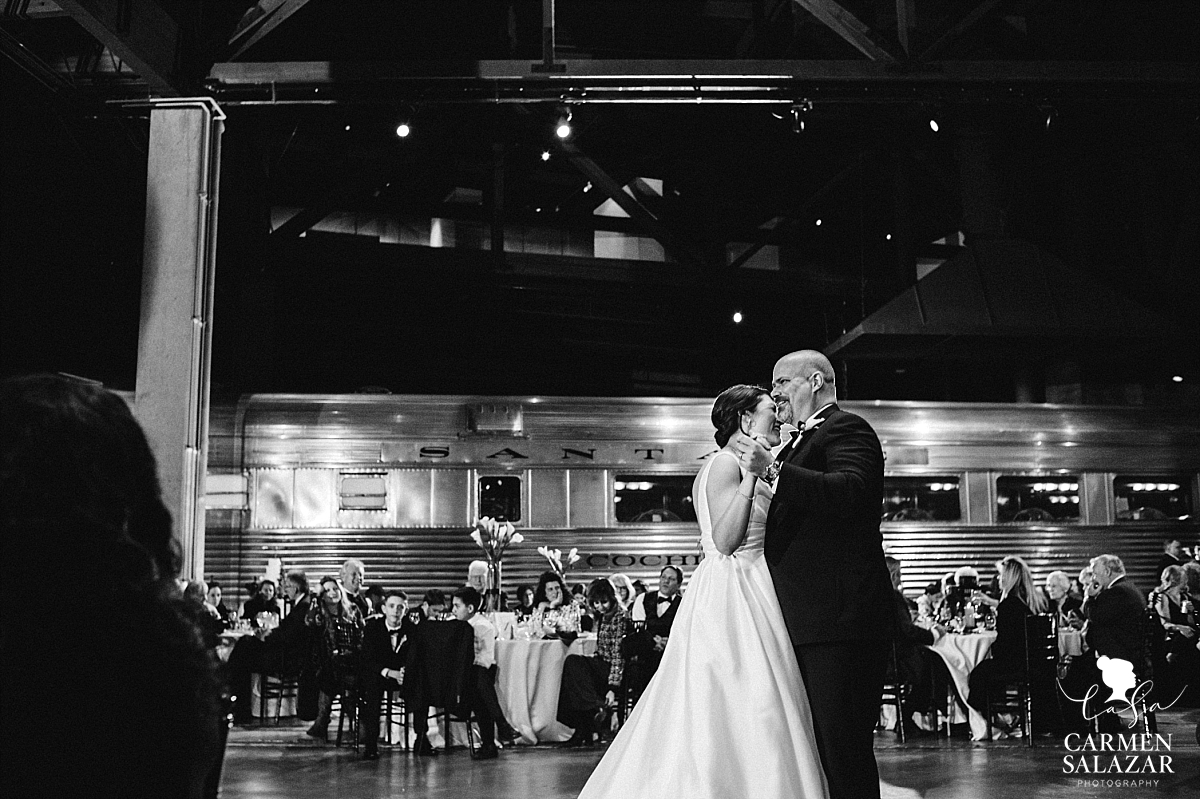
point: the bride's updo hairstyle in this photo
(727, 410)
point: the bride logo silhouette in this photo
(1117, 675)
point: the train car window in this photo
(653, 498)
(929, 498)
(500, 498)
(1146, 498)
(362, 492)
(1044, 498)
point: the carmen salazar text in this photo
(1117, 754)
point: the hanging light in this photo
(562, 128)
(933, 125)
(403, 129)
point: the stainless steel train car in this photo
(397, 480)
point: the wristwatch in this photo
(772, 473)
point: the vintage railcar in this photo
(397, 480)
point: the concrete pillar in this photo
(175, 333)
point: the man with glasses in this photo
(825, 552)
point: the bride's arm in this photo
(730, 497)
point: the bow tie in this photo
(668, 600)
(393, 632)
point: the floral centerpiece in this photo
(493, 537)
(555, 559)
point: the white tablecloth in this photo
(962, 653)
(528, 674)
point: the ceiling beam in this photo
(630, 205)
(32, 9)
(848, 26)
(142, 34)
(259, 20)
(955, 31)
(906, 23)
(607, 81)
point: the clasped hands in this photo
(753, 453)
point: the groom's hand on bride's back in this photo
(754, 457)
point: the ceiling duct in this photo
(1002, 298)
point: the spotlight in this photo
(403, 129)
(818, 223)
(347, 127)
(737, 317)
(888, 237)
(1177, 379)
(545, 155)
(587, 188)
(1048, 113)
(933, 125)
(562, 128)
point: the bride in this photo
(726, 715)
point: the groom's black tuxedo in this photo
(825, 552)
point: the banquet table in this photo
(528, 674)
(962, 652)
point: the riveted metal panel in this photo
(274, 491)
(588, 492)
(413, 489)
(547, 498)
(315, 498)
(451, 497)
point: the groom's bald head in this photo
(801, 383)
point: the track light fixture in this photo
(1048, 115)
(798, 111)
(562, 128)
(404, 122)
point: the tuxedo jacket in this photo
(656, 624)
(378, 653)
(290, 643)
(1115, 622)
(823, 543)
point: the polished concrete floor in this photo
(269, 762)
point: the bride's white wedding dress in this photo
(726, 715)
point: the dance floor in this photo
(269, 762)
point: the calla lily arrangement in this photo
(555, 558)
(493, 537)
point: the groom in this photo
(826, 557)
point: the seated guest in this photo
(930, 603)
(479, 579)
(1090, 589)
(433, 606)
(639, 590)
(213, 597)
(525, 594)
(113, 694)
(551, 592)
(285, 650)
(353, 574)
(386, 641)
(590, 684)
(375, 596)
(923, 669)
(263, 601)
(1065, 608)
(1018, 598)
(204, 615)
(624, 590)
(337, 625)
(644, 650)
(481, 683)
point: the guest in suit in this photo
(1172, 555)
(644, 649)
(920, 667)
(825, 552)
(386, 641)
(204, 615)
(1115, 625)
(263, 601)
(1019, 598)
(285, 650)
(479, 579)
(1067, 609)
(353, 574)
